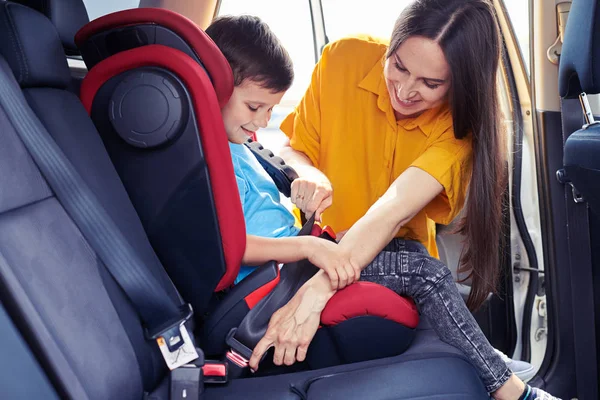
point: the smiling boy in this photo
(262, 72)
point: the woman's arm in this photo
(292, 327)
(295, 158)
(260, 250)
(408, 195)
(300, 162)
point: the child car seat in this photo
(155, 86)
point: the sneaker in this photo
(523, 370)
(532, 393)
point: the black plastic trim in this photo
(557, 372)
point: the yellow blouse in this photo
(345, 124)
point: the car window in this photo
(518, 13)
(97, 8)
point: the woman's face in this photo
(417, 77)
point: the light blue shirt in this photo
(263, 212)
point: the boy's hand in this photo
(312, 195)
(329, 257)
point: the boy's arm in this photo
(260, 250)
(322, 253)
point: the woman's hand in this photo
(336, 263)
(292, 327)
(312, 193)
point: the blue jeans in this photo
(406, 267)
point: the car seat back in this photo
(67, 16)
(577, 74)
(155, 99)
(81, 324)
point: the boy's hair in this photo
(253, 51)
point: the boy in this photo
(263, 72)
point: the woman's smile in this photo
(404, 103)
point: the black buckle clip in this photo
(186, 382)
(238, 347)
(237, 357)
(171, 330)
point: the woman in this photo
(404, 133)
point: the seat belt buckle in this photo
(186, 382)
(215, 372)
(237, 364)
(316, 230)
(174, 341)
(238, 356)
(238, 347)
(328, 233)
(324, 232)
(235, 358)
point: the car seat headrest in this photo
(125, 30)
(68, 16)
(32, 47)
(579, 69)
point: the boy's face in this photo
(248, 109)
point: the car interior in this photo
(121, 230)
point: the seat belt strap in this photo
(163, 318)
(282, 174)
(580, 257)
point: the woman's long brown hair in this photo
(468, 33)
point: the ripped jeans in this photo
(406, 267)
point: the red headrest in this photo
(205, 49)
